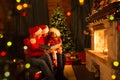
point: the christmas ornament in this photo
(118, 28)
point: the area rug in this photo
(81, 72)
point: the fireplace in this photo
(105, 45)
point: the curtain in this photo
(36, 14)
(79, 14)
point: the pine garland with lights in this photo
(58, 20)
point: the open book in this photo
(42, 46)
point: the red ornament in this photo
(68, 13)
(37, 75)
(23, 14)
(118, 27)
(3, 53)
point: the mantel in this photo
(107, 10)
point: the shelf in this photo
(107, 10)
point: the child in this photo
(56, 42)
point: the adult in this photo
(37, 56)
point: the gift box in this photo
(82, 57)
(70, 59)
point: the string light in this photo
(1, 35)
(25, 5)
(111, 17)
(14, 60)
(7, 74)
(81, 2)
(3, 53)
(25, 47)
(116, 63)
(27, 65)
(118, 28)
(68, 13)
(113, 76)
(9, 43)
(19, 7)
(18, 1)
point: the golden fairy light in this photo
(81, 2)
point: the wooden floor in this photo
(69, 73)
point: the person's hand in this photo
(33, 40)
(59, 50)
(55, 62)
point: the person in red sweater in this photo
(37, 56)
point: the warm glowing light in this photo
(113, 76)
(7, 74)
(68, 13)
(81, 2)
(14, 60)
(25, 47)
(18, 1)
(9, 43)
(27, 65)
(100, 41)
(1, 35)
(3, 53)
(116, 63)
(25, 5)
(19, 7)
(111, 17)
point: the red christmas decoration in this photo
(37, 75)
(23, 14)
(118, 28)
(3, 53)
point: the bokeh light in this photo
(68, 13)
(118, 27)
(116, 63)
(27, 65)
(111, 17)
(25, 5)
(14, 60)
(5, 78)
(113, 76)
(9, 43)
(7, 74)
(23, 14)
(3, 53)
(1, 35)
(81, 2)
(25, 47)
(19, 7)
(18, 1)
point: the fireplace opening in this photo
(96, 70)
(100, 41)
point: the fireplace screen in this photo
(100, 40)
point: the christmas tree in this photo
(58, 20)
